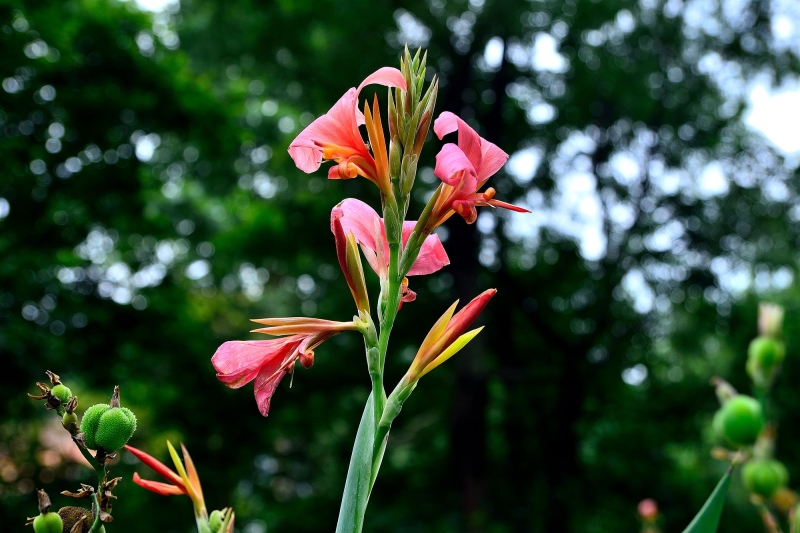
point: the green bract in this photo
(215, 521)
(48, 523)
(62, 393)
(764, 477)
(740, 420)
(116, 426)
(90, 422)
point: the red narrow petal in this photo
(157, 466)
(504, 205)
(163, 489)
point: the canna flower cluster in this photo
(394, 248)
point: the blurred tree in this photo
(149, 208)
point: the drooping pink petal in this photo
(454, 168)
(493, 160)
(387, 76)
(239, 362)
(266, 383)
(336, 127)
(432, 256)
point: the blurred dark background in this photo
(148, 209)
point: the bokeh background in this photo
(148, 208)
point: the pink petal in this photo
(238, 362)
(432, 256)
(266, 383)
(367, 227)
(488, 161)
(336, 127)
(388, 76)
(455, 169)
(493, 160)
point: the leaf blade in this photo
(359, 475)
(707, 519)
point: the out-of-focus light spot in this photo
(712, 181)
(56, 130)
(198, 269)
(145, 145)
(523, 164)
(12, 85)
(38, 167)
(635, 375)
(233, 72)
(53, 145)
(541, 113)
(411, 30)
(546, 56)
(286, 124)
(776, 114)
(256, 87)
(269, 108)
(782, 27)
(5, 208)
(185, 227)
(47, 93)
(157, 6)
(146, 43)
(73, 164)
(36, 49)
(493, 53)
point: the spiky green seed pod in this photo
(70, 515)
(61, 392)
(215, 521)
(90, 421)
(741, 420)
(764, 477)
(115, 428)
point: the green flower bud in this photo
(61, 392)
(90, 421)
(68, 419)
(764, 354)
(741, 420)
(48, 523)
(115, 428)
(215, 521)
(764, 477)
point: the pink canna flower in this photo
(267, 362)
(447, 336)
(335, 137)
(363, 222)
(463, 169)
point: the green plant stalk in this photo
(100, 470)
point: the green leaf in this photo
(359, 475)
(707, 520)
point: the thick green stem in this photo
(97, 522)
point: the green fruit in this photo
(215, 521)
(69, 418)
(115, 428)
(62, 393)
(48, 523)
(766, 353)
(90, 421)
(741, 420)
(764, 477)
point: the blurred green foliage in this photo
(149, 208)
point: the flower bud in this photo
(115, 428)
(90, 422)
(648, 510)
(61, 392)
(770, 319)
(764, 477)
(740, 420)
(215, 521)
(764, 355)
(394, 158)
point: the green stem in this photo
(100, 470)
(97, 523)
